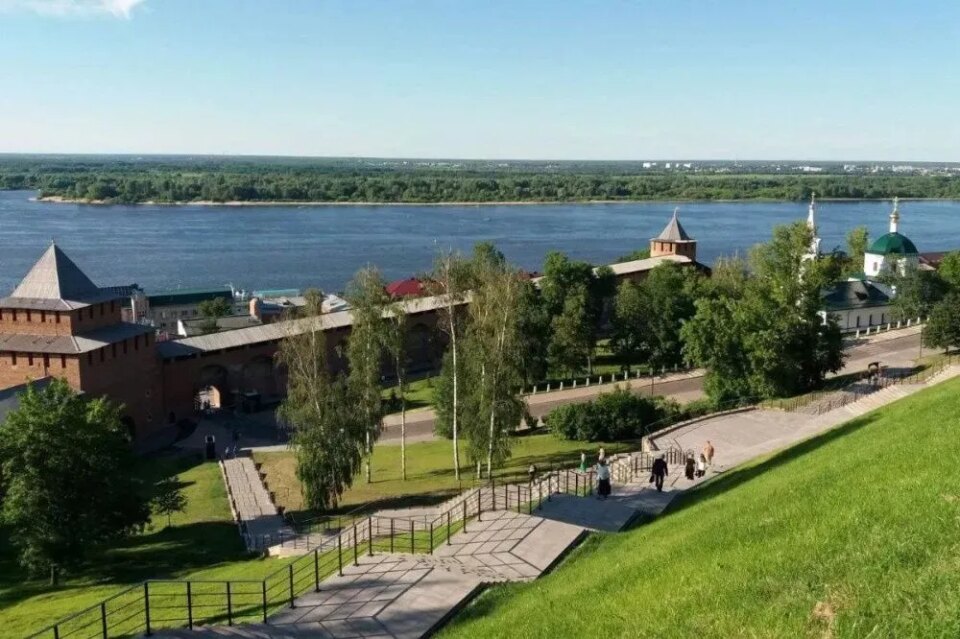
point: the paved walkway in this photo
(251, 502)
(408, 596)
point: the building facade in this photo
(57, 323)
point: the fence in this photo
(159, 604)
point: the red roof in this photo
(411, 287)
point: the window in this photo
(14, 315)
(90, 358)
(46, 361)
(30, 359)
(63, 361)
(43, 316)
(1, 314)
(870, 320)
(57, 316)
(13, 359)
(858, 321)
(113, 305)
(29, 317)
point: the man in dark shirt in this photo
(659, 472)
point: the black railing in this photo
(163, 604)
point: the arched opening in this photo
(420, 348)
(130, 425)
(211, 389)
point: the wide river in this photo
(164, 247)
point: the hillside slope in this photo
(855, 533)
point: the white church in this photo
(864, 301)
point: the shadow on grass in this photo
(159, 553)
(740, 475)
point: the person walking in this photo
(658, 472)
(689, 467)
(702, 465)
(708, 453)
(583, 462)
(603, 455)
(603, 479)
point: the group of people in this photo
(658, 473)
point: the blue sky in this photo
(562, 79)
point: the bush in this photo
(611, 417)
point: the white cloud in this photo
(68, 8)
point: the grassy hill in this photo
(853, 534)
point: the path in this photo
(251, 503)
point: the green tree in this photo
(168, 498)
(71, 478)
(630, 330)
(573, 333)
(395, 344)
(328, 435)
(670, 292)
(949, 270)
(494, 406)
(943, 328)
(451, 281)
(212, 310)
(858, 240)
(365, 350)
(769, 338)
(915, 291)
(534, 328)
(639, 254)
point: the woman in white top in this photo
(603, 479)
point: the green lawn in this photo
(430, 475)
(203, 543)
(855, 533)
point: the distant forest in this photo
(125, 180)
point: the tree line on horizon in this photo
(263, 181)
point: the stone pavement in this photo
(407, 596)
(251, 503)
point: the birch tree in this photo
(395, 343)
(450, 282)
(365, 352)
(493, 348)
(327, 437)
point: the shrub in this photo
(611, 417)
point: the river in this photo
(164, 247)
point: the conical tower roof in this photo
(673, 231)
(56, 283)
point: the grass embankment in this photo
(202, 543)
(430, 475)
(855, 533)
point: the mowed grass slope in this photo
(853, 534)
(202, 543)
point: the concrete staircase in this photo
(257, 515)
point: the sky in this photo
(553, 79)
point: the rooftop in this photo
(56, 283)
(71, 344)
(674, 231)
(410, 287)
(893, 244)
(854, 294)
(180, 297)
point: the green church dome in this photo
(893, 243)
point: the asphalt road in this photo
(901, 351)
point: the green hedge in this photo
(612, 416)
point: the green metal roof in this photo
(893, 243)
(185, 296)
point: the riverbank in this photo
(57, 199)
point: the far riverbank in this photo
(57, 199)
